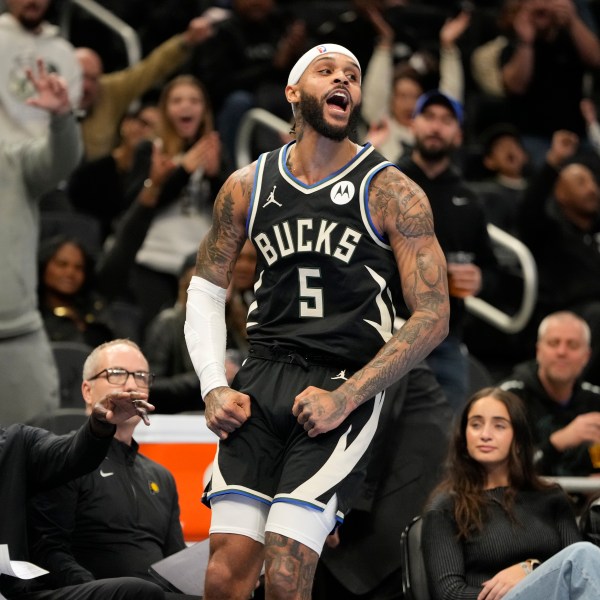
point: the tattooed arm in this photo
(400, 209)
(220, 248)
(205, 330)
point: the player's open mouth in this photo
(339, 99)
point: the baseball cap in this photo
(437, 97)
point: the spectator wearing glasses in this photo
(32, 460)
(120, 518)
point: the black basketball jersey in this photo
(324, 274)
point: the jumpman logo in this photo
(271, 198)
(341, 375)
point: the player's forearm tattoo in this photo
(430, 274)
(411, 344)
(401, 207)
(289, 565)
(428, 268)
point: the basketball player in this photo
(334, 224)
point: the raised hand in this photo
(51, 90)
(384, 31)
(162, 164)
(117, 407)
(199, 30)
(454, 28)
(565, 11)
(524, 26)
(205, 153)
(287, 48)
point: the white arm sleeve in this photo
(206, 333)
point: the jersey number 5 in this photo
(311, 297)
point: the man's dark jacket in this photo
(545, 416)
(32, 460)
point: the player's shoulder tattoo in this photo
(224, 240)
(238, 186)
(396, 199)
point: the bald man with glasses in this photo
(122, 517)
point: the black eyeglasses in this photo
(118, 376)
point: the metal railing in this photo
(253, 118)
(577, 484)
(491, 314)
(480, 308)
(127, 34)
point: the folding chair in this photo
(414, 577)
(69, 357)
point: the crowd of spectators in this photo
(490, 108)
(159, 136)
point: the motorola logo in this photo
(342, 192)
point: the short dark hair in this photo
(492, 134)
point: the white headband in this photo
(313, 53)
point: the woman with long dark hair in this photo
(70, 305)
(494, 528)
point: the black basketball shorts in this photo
(271, 457)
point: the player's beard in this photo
(311, 110)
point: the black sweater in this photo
(544, 524)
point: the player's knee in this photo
(225, 580)
(219, 571)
